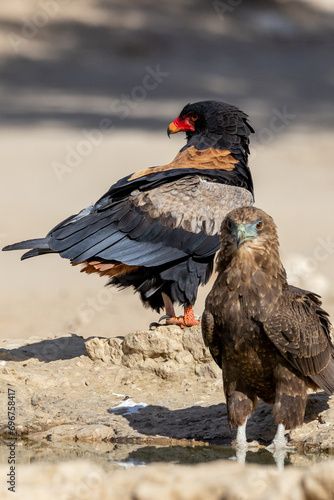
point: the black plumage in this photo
(157, 230)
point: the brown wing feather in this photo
(191, 157)
(300, 329)
(104, 268)
(211, 339)
(193, 203)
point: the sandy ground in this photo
(59, 84)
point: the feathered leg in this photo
(288, 410)
(278, 447)
(290, 398)
(279, 440)
(241, 441)
(239, 407)
(241, 445)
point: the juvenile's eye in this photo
(229, 224)
(259, 225)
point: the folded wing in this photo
(300, 329)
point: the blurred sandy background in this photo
(67, 67)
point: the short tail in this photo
(38, 246)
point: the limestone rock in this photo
(107, 350)
(213, 481)
(168, 352)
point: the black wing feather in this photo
(126, 233)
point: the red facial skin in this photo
(182, 124)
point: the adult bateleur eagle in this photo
(158, 229)
(271, 339)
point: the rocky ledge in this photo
(157, 386)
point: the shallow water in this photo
(112, 456)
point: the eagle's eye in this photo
(193, 116)
(259, 225)
(229, 224)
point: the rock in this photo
(106, 350)
(168, 352)
(317, 434)
(86, 433)
(213, 481)
(64, 392)
(70, 480)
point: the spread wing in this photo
(150, 228)
(300, 329)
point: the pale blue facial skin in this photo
(245, 232)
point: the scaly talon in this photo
(153, 326)
(166, 316)
(182, 321)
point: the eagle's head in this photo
(212, 124)
(248, 231)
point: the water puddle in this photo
(111, 456)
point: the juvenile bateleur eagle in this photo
(271, 339)
(158, 229)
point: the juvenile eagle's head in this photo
(246, 232)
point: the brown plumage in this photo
(105, 268)
(271, 339)
(215, 159)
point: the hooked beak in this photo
(181, 125)
(172, 129)
(241, 235)
(244, 233)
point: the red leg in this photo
(184, 321)
(189, 317)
